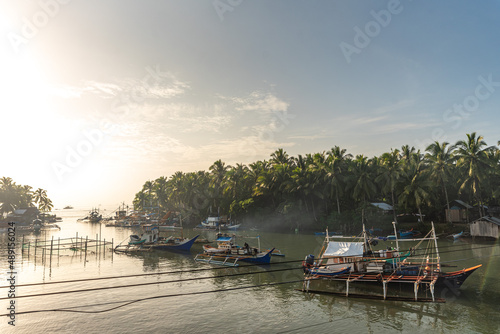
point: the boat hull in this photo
(231, 260)
(452, 280)
(183, 246)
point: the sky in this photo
(98, 97)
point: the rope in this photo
(148, 283)
(129, 302)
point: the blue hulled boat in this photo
(228, 253)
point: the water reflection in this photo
(277, 307)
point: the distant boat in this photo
(94, 216)
(216, 223)
(68, 207)
(405, 235)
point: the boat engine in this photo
(308, 263)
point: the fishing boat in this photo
(218, 223)
(227, 252)
(93, 217)
(37, 224)
(356, 262)
(456, 236)
(410, 234)
(150, 239)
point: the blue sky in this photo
(101, 96)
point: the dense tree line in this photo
(14, 196)
(334, 188)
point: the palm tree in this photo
(472, 158)
(45, 205)
(8, 195)
(218, 173)
(139, 200)
(391, 169)
(26, 196)
(160, 191)
(364, 188)
(39, 195)
(149, 187)
(280, 157)
(416, 187)
(335, 168)
(440, 158)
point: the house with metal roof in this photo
(23, 216)
(485, 227)
(384, 207)
(458, 212)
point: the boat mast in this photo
(436, 245)
(365, 240)
(396, 235)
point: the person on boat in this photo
(247, 248)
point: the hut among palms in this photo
(458, 212)
(23, 216)
(485, 227)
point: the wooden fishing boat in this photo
(93, 217)
(457, 236)
(151, 240)
(229, 253)
(232, 259)
(357, 262)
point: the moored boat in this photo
(150, 239)
(93, 217)
(357, 262)
(229, 253)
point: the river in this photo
(267, 307)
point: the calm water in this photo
(267, 309)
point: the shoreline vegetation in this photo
(15, 196)
(334, 189)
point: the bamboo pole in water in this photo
(51, 246)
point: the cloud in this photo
(366, 120)
(154, 85)
(396, 106)
(311, 137)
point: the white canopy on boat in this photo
(336, 248)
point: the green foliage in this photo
(14, 196)
(332, 188)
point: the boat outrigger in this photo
(357, 262)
